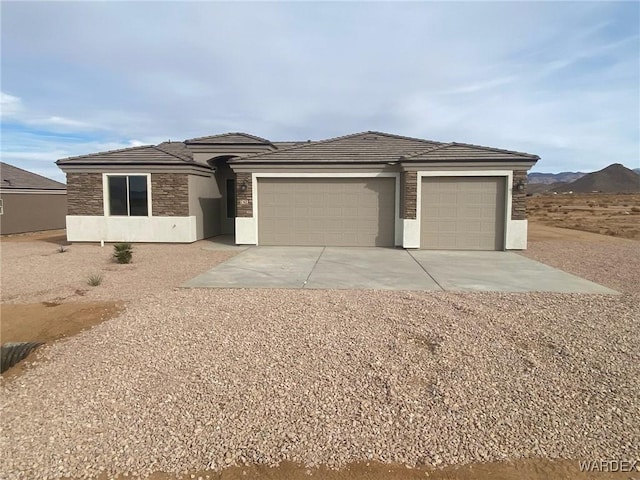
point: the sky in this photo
(558, 79)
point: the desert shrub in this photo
(635, 209)
(122, 252)
(95, 279)
(62, 249)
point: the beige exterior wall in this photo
(32, 212)
(205, 204)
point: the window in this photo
(231, 198)
(128, 195)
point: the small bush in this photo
(62, 249)
(122, 252)
(635, 209)
(95, 279)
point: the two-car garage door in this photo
(457, 213)
(462, 213)
(326, 211)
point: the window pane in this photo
(117, 195)
(138, 196)
(231, 198)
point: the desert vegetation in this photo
(617, 215)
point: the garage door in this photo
(462, 213)
(326, 211)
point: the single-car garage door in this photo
(326, 211)
(462, 213)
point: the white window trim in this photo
(105, 192)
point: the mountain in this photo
(537, 188)
(549, 178)
(637, 170)
(615, 178)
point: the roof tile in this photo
(16, 178)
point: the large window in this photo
(128, 195)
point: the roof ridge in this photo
(227, 134)
(422, 152)
(472, 145)
(137, 147)
(173, 154)
(415, 139)
(333, 139)
(32, 173)
(494, 149)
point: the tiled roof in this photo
(165, 153)
(16, 178)
(366, 147)
(464, 151)
(228, 138)
(179, 149)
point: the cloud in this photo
(9, 105)
(560, 80)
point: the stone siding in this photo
(244, 206)
(519, 199)
(170, 194)
(409, 185)
(84, 194)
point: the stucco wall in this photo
(204, 204)
(32, 212)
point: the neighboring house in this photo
(30, 202)
(365, 189)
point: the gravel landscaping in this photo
(37, 271)
(191, 379)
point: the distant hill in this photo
(615, 178)
(637, 170)
(536, 188)
(550, 178)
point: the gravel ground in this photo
(612, 262)
(190, 379)
(36, 271)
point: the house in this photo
(30, 202)
(365, 189)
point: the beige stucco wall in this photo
(32, 212)
(204, 204)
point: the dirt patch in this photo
(49, 321)
(617, 215)
(535, 469)
(59, 237)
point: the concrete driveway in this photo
(389, 269)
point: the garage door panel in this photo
(326, 211)
(462, 213)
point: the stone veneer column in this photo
(409, 185)
(519, 199)
(244, 200)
